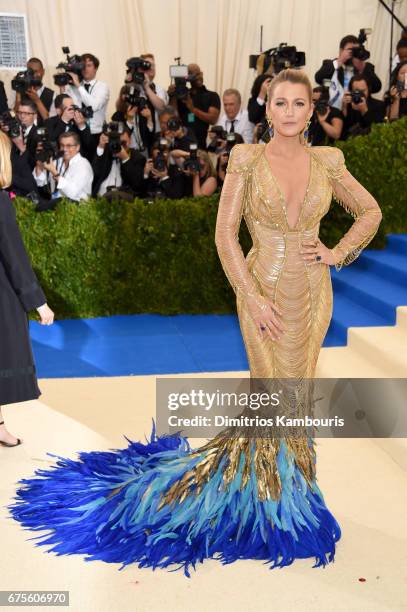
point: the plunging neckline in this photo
(282, 197)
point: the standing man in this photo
(41, 96)
(200, 108)
(90, 92)
(156, 95)
(340, 71)
(235, 119)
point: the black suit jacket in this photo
(3, 99)
(56, 127)
(327, 69)
(132, 171)
(375, 114)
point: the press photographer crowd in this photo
(174, 142)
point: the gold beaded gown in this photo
(236, 497)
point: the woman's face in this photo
(289, 108)
(401, 73)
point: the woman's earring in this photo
(270, 124)
(305, 133)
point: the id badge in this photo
(191, 117)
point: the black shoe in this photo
(7, 444)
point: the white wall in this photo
(217, 34)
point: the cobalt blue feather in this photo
(105, 506)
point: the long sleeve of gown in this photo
(358, 202)
(15, 260)
(230, 211)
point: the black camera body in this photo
(263, 131)
(174, 124)
(361, 52)
(357, 96)
(12, 124)
(278, 58)
(181, 88)
(24, 80)
(160, 162)
(136, 67)
(87, 111)
(192, 163)
(113, 131)
(45, 149)
(73, 63)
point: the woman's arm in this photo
(15, 259)
(207, 188)
(358, 202)
(228, 221)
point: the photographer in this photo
(397, 96)
(90, 92)
(3, 99)
(200, 173)
(348, 63)
(70, 118)
(326, 121)
(163, 179)
(256, 105)
(199, 108)
(118, 169)
(41, 96)
(156, 95)
(179, 136)
(223, 154)
(360, 109)
(21, 130)
(236, 119)
(132, 109)
(70, 176)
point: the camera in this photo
(136, 67)
(179, 72)
(113, 131)
(160, 162)
(25, 80)
(11, 123)
(135, 98)
(278, 58)
(45, 149)
(87, 111)
(263, 131)
(217, 135)
(192, 163)
(73, 63)
(230, 141)
(357, 96)
(174, 124)
(361, 52)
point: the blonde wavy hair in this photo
(5, 162)
(206, 157)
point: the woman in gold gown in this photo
(238, 496)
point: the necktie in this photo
(232, 127)
(23, 131)
(87, 86)
(152, 86)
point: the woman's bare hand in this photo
(46, 314)
(315, 248)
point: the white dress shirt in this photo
(242, 125)
(97, 97)
(75, 182)
(161, 93)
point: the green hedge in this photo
(99, 258)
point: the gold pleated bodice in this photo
(274, 268)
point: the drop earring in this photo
(270, 124)
(305, 134)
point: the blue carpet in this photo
(365, 294)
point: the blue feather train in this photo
(106, 506)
